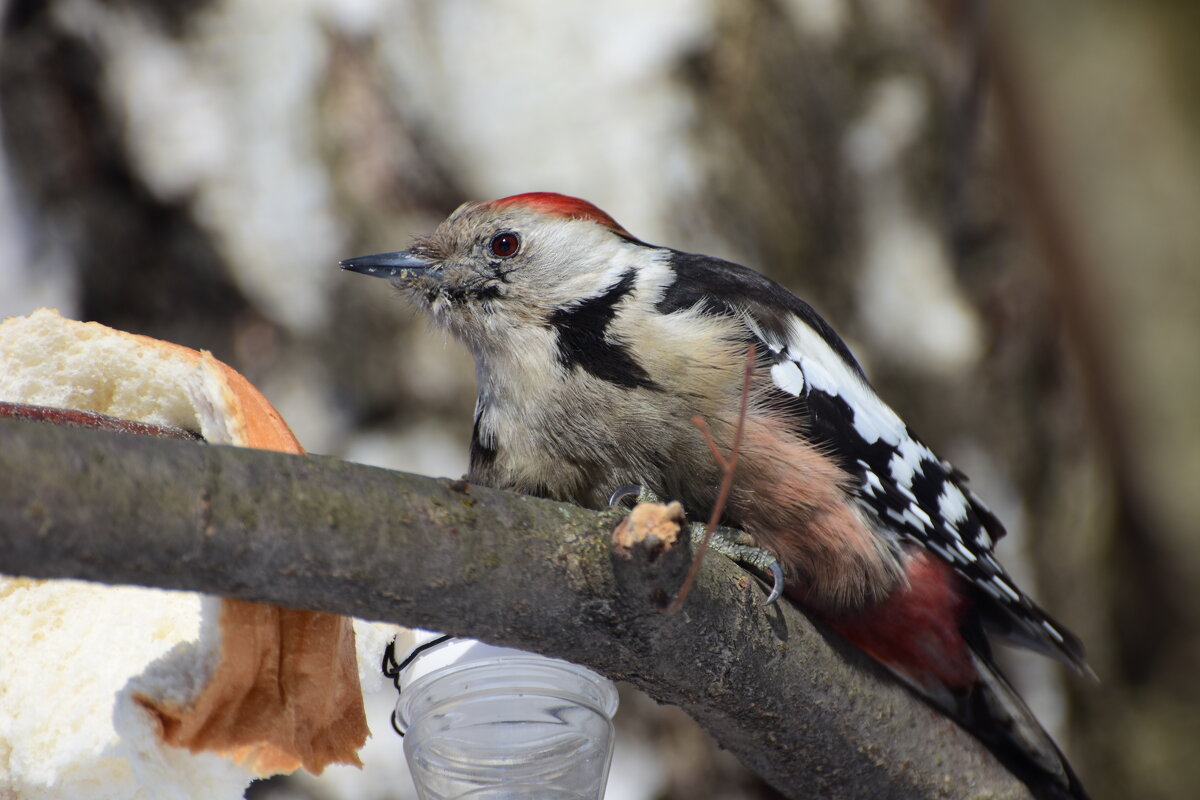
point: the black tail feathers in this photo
(993, 712)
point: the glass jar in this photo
(485, 722)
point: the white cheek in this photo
(582, 259)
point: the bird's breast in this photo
(573, 429)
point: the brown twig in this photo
(727, 465)
(699, 422)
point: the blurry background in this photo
(997, 207)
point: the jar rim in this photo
(517, 674)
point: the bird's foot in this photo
(736, 545)
(729, 542)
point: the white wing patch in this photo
(787, 376)
(902, 471)
(872, 486)
(912, 452)
(827, 371)
(962, 549)
(952, 505)
(916, 518)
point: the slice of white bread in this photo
(124, 692)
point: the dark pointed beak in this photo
(403, 264)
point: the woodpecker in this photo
(594, 351)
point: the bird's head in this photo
(509, 262)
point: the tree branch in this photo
(810, 714)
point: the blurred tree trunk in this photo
(1111, 100)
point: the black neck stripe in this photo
(583, 339)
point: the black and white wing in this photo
(901, 485)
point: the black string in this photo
(392, 670)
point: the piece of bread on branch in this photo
(112, 692)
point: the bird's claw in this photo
(776, 583)
(732, 544)
(628, 490)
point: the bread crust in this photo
(285, 690)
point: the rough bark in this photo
(809, 714)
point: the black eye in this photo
(505, 244)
